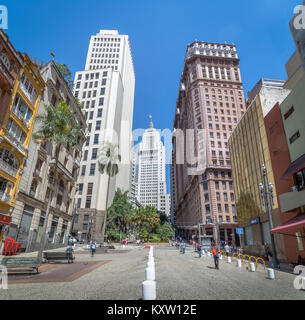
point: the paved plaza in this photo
(179, 277)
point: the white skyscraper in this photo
(149, 175)
(106, 89)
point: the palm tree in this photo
(58, 127)
(108, 163)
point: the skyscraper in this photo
(106, 89)
(149, 175)
(210, 102)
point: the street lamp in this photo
(217, 230)
(267, 192)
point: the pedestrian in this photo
(199, 249)
(227, 248)
(70, 249)
(183, 247)
(93, 247)
(216, 257)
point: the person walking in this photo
(183, 247)
(93, 247)
(199, 250)
(227, 248)
(216, 257)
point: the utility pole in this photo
(264, 189)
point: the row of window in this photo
(92, 76)
(91, 114)
(217, 185)
(93, 155)
(218, 198)
(91, 169)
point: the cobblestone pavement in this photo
(178, 276)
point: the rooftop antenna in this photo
(151, 125)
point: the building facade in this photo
(149, 176)
(106, 90)
(210, 104)
(249, 150)
(21, 92)
(31, 203)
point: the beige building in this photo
(249, 150)
(29, 213)
(210, 104)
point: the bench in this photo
(59, 256)
(21, 263)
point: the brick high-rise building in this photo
(211, 102)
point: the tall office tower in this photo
(106, 89)
(172, 184)
(210, 102)
(150, 177)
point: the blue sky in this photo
(159, 33)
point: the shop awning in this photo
(5, 218)
(293, 224)
(294, 167)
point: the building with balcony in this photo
(37, 180)
(249, 150)
(19, 105)
(209, 106)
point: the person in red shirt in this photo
(216, 257)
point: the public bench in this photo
(21, 264)
(49, 256)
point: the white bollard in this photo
(150, 274)
(209, 253)
(303, 284)
(238, 264)
(252, 267)
(149, 290)
(151, 259)
(229, 260)
(270, 274)
(151, 264)
(220, 258)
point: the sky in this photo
(159, 32)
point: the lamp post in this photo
(217, 230)
(267, 192)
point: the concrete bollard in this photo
(238, 264)
(252, 267)
(150, 274)
(149, 290)
(229, 260)
(270, 274)
(220, 257)
(209, 253)
(151, 259)
(151, 264)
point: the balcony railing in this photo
(18, 144)
(31, 97)
(7, 74)
(5, 197)
(21, 118)
(7, 168)
(63, 169)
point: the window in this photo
(96, 138)
(16, 132)
(224, 186)
(207, 208)
(219, 208)
(88, 202)
(104, 82)
(90, 189)
(83, 170)
(205, 186)
(217, 196)
(227, 208)
(99, 113)
(294, 137)
(80, 188)
(86, 155)
(88, 141)
(103, 91)
(94, 154)
(101, 102)
(92, 169)
(98, 125)
(206, 197)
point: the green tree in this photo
(58, 127)
(108, 164)
(66, 73)
(166, 231)
(119, 215)
(147, 219)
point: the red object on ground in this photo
(10, 247)
(147, 247)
